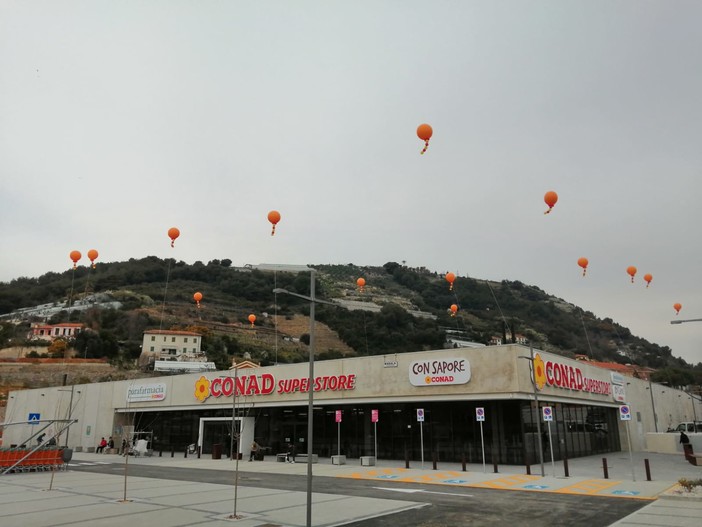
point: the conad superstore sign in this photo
(566, 376)
(267, 384)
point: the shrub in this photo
(689, 484)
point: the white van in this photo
(688, 426)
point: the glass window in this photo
(153, 337)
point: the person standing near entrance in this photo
(254, 451)
(291, 453)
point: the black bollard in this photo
(648, 470)
(172, 451)
(604, 468)
(494, 466)
(528, 469)
(198, 452)
(186, 453)
(406, 459)
(160, 453)
(463, 462)
(433, 459)
(565, 467)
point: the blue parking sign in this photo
(624, 413)
(34, 418)
(548, 413)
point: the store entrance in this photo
(215, 435)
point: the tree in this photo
(57, 349)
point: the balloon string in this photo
(632, 279)
(549, 210)
(172, 242)
(426, 145)
(584, 271)
(273, 230)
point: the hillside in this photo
(400, 309)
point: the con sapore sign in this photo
(439, 372)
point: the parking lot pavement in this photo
(81, 498)
(626, 477)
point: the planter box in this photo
(338, 460)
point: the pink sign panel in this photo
(374, 416)
(338, 416)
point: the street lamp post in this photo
(310, 410)
(680, 322)
(688, 320)
(234, 515)
(536, 400)
(310, 387)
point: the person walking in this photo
(684, 440)
(254, 450)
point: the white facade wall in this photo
(173, 344)
(497, 373)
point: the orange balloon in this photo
(551, 198)
(75, 256)
(454, 309)
(197, 297)
(252, 319)
(677, 308)
(648, 277)
(361, 282)
(92, 254)
(450, 277)
(274, 218)
(631, 270)
(582, 262)
(424, 132)
(173, 233)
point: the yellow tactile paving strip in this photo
(506, 482)
(589, 486)
(524, 482)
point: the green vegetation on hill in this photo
(486, 310)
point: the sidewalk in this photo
(626, 479)
(83, 499)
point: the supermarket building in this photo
(399, 402)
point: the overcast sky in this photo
(121, 119)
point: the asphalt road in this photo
(447, 506)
